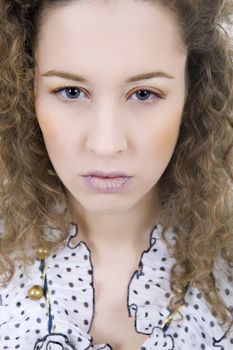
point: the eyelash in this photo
(63, 88)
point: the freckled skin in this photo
(108, 127)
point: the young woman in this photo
(116, 174)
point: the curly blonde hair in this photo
(196, 187)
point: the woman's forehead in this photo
(84, 25)
(109, 39)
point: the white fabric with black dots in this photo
(24, 323)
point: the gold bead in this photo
(42, 253)
(179, 290)
(35, 293)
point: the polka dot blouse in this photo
(26, 324)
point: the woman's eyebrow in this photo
(79, 78)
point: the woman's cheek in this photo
(45, 119)
(166, 135)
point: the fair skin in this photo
(108, 127)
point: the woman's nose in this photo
(107, 135)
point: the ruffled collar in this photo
(69, 274)
(148, 292)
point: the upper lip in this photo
(106, 174)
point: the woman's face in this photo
(104, 122)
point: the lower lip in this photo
(107, 185)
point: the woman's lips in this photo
(108, 174)
(107, 184)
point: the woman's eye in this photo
(147, 96)
(72, 94)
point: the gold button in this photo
(179, 290)
(35, 293)
(42, 253)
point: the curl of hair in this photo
(196, 187)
